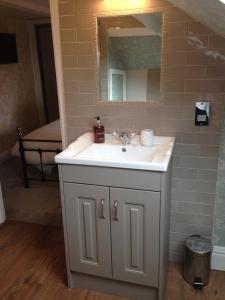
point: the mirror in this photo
(130, 57)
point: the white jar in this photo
(147, 137)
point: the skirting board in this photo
(2, 209)
(218, 258)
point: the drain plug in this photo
(124, 150)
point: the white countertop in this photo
(114, 154)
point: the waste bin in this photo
(197, 261)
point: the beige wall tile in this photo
(204, 220)
(185, 72)
(176, 15)
(212, 86)
(181, 98)
(183, 218)
(76, 21)
(197, 186)
(196, 208)
(206, 58)
(186, 161)
(69, 61)
(207, 175)
(77, 48)
(189, 228)
(68, 48)
(209, 151)
(185, 173)
(87, 86)
(206, 198)
(67, 8)
(216, 42)
(215, 72)
(80, 99)
(174, 205)
(190, 74)
(198, 29)
(208, 163)
(172, 86)
(84, 110)
(184, 196)
(95, 6)
(74, 121)
(176, 59)
(78, 74)
(183, 44)
(177, 29)
(70, 86)
(68, 35)
(187, 149)
(85, 61)
(201, 138)
(85, 35)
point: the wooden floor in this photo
(32, 266)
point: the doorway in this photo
(46, 62)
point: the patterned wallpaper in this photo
(135, 52)
(219, 213)
(17, 100)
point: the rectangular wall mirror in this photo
(130, 57)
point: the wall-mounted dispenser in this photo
(202, 113)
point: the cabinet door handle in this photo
(102, 209)
(116, 210)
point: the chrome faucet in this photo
(124, 136)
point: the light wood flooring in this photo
(32, 266)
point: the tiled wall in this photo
(193, 69)
(17, 101)
(219, 213)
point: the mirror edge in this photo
(97, 15)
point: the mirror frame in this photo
(97, 56)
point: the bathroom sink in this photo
(113, 153)
(122, 153)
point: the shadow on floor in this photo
(38, 204)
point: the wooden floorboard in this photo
(32, 266)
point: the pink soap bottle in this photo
(99, 131)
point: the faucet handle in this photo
(115, 133)
(132, 134)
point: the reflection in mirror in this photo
(130, 57)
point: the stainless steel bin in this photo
(197, 261)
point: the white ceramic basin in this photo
(106, 152)
(113, 154)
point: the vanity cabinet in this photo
(108, 227)
(134, 235)
(88, 225)
(116, 229)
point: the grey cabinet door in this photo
(88, 228)
(135, 235)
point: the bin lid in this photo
(198, 244)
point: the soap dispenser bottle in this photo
(99, 131)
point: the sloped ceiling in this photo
(211, 13)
